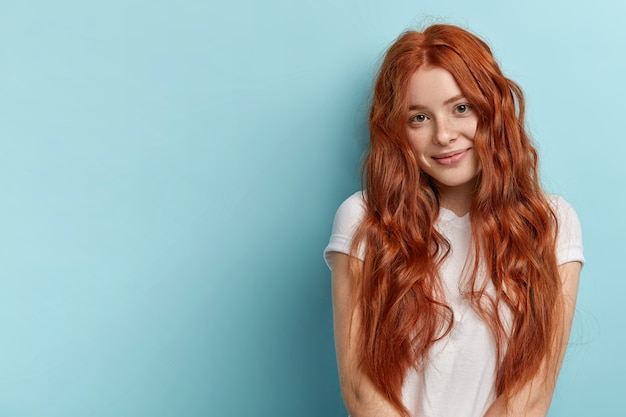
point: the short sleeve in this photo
(569, 246)
(347, 219)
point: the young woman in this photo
(454, 276)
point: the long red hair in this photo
(513, 226)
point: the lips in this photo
(450, 158)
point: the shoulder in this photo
(569, 238)
(565, 214)
(347, 220)
(559, 204)
(350, 212)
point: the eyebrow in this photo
(445, 103)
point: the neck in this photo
(460, 208)
(457, 199)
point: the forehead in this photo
(432, 86)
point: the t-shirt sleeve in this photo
(569, 245)
(347, 219)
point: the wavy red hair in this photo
(512, 223)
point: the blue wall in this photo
(169, 171)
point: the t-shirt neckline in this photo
(448, 216)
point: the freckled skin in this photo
(441, 124)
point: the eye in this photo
(419, 118)
(462, 108)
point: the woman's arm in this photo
(359, 394)
(533, 400)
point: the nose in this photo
(445, 133)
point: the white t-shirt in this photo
(459, 376)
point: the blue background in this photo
(169, 171)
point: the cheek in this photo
(418, 142)
(470, 129)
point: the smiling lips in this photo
(450, 158)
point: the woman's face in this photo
(441, 124)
